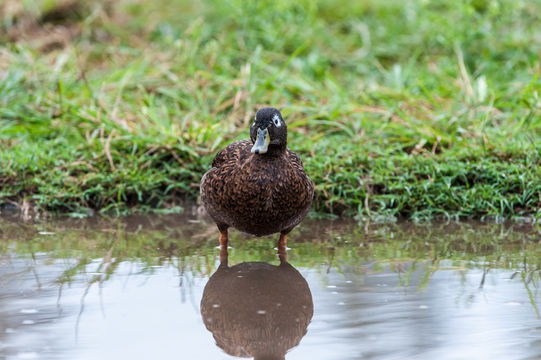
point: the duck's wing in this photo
(295, 160)
(232, 152)
(297, 164)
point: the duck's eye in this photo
(276, 121)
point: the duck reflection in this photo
(256, 309)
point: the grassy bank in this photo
(399, 109)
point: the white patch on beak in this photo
(262, 142)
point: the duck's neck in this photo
(275, 150)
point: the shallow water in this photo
(139, 288)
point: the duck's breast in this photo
(257, 194)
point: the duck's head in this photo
(268, 132)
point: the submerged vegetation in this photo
(398, 109)
(189, 244)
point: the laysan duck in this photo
(258, 186)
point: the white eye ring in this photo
(276, 121)
(253, 124)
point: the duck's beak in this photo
(261, 142)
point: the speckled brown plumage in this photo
(259, 194)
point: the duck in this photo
(258, 186)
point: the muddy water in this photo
(155, 288)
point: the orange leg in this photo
(223, 238)
(224, 255)
(282, 256)
(223, 247)
(282, 246)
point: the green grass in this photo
(398, 109)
